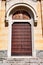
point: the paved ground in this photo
(21, 61)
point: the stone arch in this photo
(26, 7)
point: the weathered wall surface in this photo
(38, 30)
(3, 29)
(42, 14)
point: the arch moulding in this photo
(21, 4)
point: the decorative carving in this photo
(35, 24)
(6, 23)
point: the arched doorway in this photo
(21, 14)
(21, 44)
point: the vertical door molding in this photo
(10, 34)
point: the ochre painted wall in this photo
(3, 29)
(38, 30)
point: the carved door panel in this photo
(21, 39)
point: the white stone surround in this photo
(9, 18)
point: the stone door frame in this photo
(10, 34)
(31, 21)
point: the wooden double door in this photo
(21, 43)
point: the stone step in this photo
(21, 61)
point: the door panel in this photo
(21, 39)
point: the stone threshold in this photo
(21, 61)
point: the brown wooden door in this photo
(21, 37)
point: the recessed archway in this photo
(13, 19)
